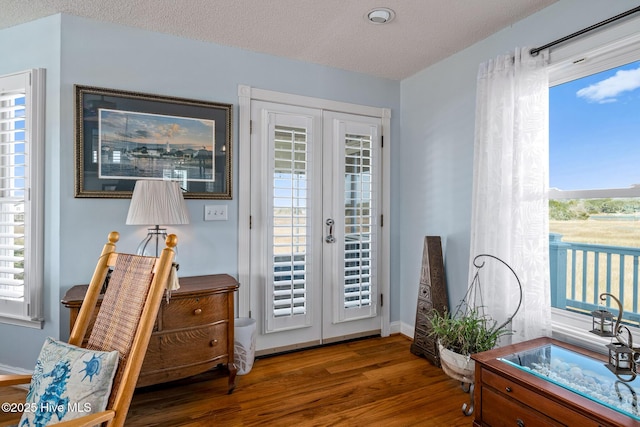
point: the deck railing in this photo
(580, 272)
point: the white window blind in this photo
(358, 212)
(21, 146)
(290, 221)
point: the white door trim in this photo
(245, 95)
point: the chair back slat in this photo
(93, 292)
(119, 315)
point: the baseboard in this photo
(405, 329)
(402, 328)
(395, 328)
(6, 369)
(12, 370)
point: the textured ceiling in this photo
(329, 32)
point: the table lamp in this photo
(156, 202)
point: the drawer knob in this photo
(520, 422)
(197, 311)
(213, 343)
(508, 389)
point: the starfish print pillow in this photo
(68, 382)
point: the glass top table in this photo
(580, 374)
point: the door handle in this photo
(330, 239)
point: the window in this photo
(21, 201)
(594, 180)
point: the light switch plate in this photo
(215, 213)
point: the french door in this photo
(315, 213)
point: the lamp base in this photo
(153, 242)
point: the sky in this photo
(142, 128)
(594, 131)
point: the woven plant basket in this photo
(457, 366)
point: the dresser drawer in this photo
(186, 347)
(189, 312)
(506, 387)
(498, 410)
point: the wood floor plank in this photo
(368, 382)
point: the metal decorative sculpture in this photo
(469, 330)
(624, 358)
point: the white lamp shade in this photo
(157, 202)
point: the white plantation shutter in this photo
(289, 234)
(359, 215)
(289, 221)
(21, 146)
(358, 166)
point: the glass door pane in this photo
(358, 211)
(289, 224)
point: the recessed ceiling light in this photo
(380, 15)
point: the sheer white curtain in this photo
(510, 184)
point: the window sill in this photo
(574, 328)
(18, 321)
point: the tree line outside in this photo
(606, 221)
(582, 209)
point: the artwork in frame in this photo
(125, 136)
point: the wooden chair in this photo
(124, 322)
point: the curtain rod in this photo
(537, 50)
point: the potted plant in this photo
(469, 330)
(462, 335)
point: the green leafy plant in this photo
(468, 333)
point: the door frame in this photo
(245, 95)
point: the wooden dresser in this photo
(193, 332)
(508, 395)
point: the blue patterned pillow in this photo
(68, 382)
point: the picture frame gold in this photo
(123, 136)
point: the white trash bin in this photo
(244, 349)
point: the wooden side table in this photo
(193, 332)
(511, 394)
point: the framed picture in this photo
(125, 136)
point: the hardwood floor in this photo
(370, 382)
